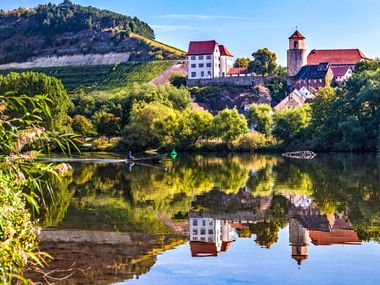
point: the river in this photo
(214, 219)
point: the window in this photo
(203, 232)
(193, 65)
(295, 44)
(209, 73)
(202, 74)
(210, 232)
(203, 239)
(195, 223)
(193, 74)
(195, 231)
(201, 65)
(208, 56)
(211, 222)
(193, 57)
(195, 238)
(204, 223)
(210, 239)
(200, 57)
(208, 64)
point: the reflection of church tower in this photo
(299, 240)
(297, 56)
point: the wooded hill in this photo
(71, 29)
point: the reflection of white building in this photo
(300, 201)
(208, 236)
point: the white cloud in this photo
(169, 28)
(200, 17)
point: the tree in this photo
(291, 124)
(82, 125)
(278, 88)
(141, 131)
(107, 124)
(229, 125)
(178, 80)
(321, 110)
(260, 117)
(264, 62)
(33, 84)
(242, 62)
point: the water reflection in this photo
(216, 203)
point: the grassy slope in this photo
(159, 45)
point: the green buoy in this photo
(173, 154)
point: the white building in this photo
(226, 60)
(208, 236)
(208, 59)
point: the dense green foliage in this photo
(242, 62)
(264, 62)
(229, 125)
(291, 124)
(260, 117)
(32, 84)
(24, 183)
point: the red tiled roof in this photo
(226, 245)
(237, 70)
(336, 236)
(238, 226)
(224, 51)
(340, 70)
(199, 248)
(202, 47)
(335, 56)
(297, 35)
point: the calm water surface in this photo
(239, 219)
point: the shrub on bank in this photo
(251, 142)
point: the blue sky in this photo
(247, 25)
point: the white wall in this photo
(226, 62)
(204, 66)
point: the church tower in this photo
(297, 56)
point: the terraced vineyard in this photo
(125, 74)
(103, 77)
(73, 77)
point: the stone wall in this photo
(229, 80)
(70, 60)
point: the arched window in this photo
(295, 44)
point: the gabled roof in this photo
(297, 35)
(340, 70)
(237, 70)
(335, 56)
(317, 71)
(202, 47)
(293, 100)
(224, 51)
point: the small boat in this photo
(150, 159)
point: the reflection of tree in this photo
(266, 232)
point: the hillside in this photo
(53, 31)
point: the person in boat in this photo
(130, 156)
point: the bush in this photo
(250, 142)
(178, 80)
(100, 143)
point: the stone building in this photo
(319, 67)
(297, 54)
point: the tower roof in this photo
(297, 35)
